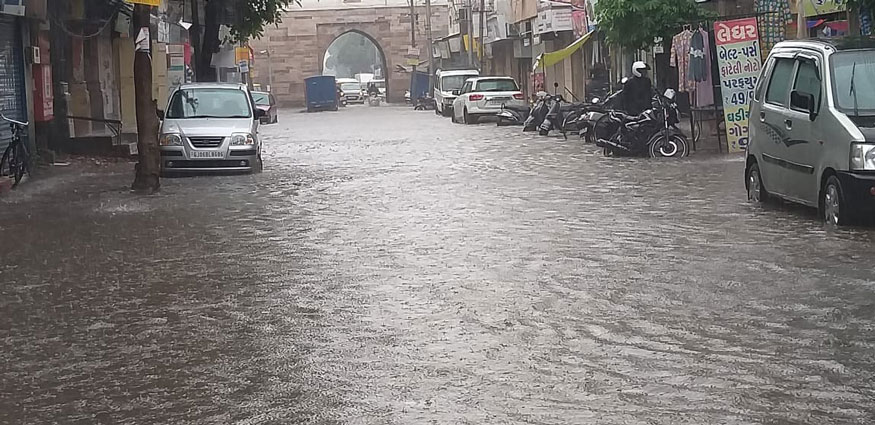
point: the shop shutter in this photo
(12, 85)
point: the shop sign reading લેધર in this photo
(738, 58)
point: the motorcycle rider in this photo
(373, 90)
(638, 91)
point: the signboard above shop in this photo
(553, 16)
(823, 7)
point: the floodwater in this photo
(389, 267)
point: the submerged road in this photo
(389, 267)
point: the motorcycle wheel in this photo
(675, 146)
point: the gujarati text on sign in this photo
(738, 58)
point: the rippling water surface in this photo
(389, 267)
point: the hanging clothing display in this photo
(773, 17)
(680, 58)
(700, 68)
(865, 20)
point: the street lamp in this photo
(269, 69)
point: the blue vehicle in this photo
(321, 93)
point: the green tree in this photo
(635, 23)
(247, 19)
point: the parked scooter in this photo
(538, 112)
(513, 115)
(424, 103)
(652, 133)
(554, 116)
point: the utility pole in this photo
(412, 23)
(470, 31)
(482, 33)
(430, 47)
(148, 168)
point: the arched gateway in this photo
(296, 48)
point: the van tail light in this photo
(518, 96)
(474, 97)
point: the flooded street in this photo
(389, 267)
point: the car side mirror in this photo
(456, 92)
(160, 113)
(259, 113)
(805, 102)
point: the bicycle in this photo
(16, 160)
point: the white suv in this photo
(485, 96)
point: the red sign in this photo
(736, 31)
(43, 102)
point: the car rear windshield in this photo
(496, 85)
(853, 75)
(454, 82)
(209, 103)
(261, 98)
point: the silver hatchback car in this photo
(210, 127)
(812, 128)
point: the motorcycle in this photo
(582, 118)
(652, 133)
(374, 100)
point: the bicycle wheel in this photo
(20, 163)
(5, 170)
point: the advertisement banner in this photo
(738, 58)
(823, 7)
(154, 3)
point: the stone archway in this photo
(297, 46)
(384, 61)
(379, 32)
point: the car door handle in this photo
(789, 124)
(762, 116)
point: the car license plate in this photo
(207, 154)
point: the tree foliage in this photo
(635, 23)
(253, 15)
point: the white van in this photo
(445, 83)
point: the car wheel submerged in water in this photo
(756, 192)
(833, 205)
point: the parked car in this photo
(812, 128)
(445, 83)
(209, 127)
(483, 96)
(267, 103)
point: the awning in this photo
(552, 58)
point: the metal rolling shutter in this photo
(12, 85)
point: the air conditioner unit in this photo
(33, 55)
(513, 31)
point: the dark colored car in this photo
(267, 103)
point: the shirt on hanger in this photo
(680, 58)
(700, 68)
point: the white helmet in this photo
(637, 67)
